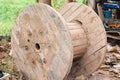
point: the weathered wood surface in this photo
(41, 44)
(96, 38)
(79, 38)
(113, 34)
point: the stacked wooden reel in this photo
(48, 45)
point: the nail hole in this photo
(28, 40)
(37, 46)
(26, 47)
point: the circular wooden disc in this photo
(41, 44)
(96, 37)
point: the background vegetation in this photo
(9, 10)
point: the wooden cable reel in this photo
(44, 43)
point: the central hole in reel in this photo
(37, 46)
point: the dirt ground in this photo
(109, 70)
(7, 64)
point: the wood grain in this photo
(96, 38)
(79, 38)
(44, 44)
(41, 43)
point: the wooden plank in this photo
(112, 36)
(79, 42)
(77, 34)
(79, 50)
(71, 10)
(73, 26)
(74, 13)
(79, 39)
(65, 8)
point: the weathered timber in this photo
(113, 34)
(41, 43)
(95, 34)
(45, 44)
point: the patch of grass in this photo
(58, 3)
(9, 10)
(81, 1)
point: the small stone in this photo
(117, 66)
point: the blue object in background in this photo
(107, 14)
(111, 5)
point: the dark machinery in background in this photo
(109, 11)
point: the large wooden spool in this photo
(44, 43)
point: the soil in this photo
(109, 70)
(7, 64)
